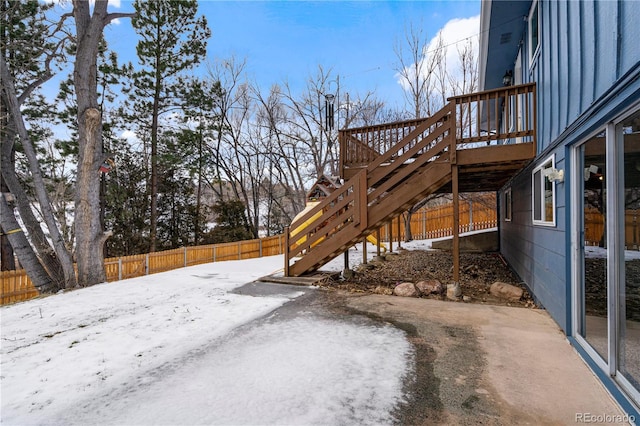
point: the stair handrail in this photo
(341, 206)
(392, 157)
(349, 136)
(348, 204)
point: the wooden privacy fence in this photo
(437, 222)
(426, 223)
(594, 228)
(16, 285)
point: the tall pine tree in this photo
(172, 40)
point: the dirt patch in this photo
(477, 272)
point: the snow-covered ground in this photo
(181, 348)
(593, 252)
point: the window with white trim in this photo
(534, 32)
(507, 205)
(543, 194)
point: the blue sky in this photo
(287, 40)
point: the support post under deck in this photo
(456, 224)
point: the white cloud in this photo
(455, 35)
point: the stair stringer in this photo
(410, 170)
(414, 188)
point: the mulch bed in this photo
(477, 272)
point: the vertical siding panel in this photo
(605, 30)
(617, 38)
(551, 70)
(545, 73)
(574, 59)
(629, 36)
(564, 68)
(587, 30)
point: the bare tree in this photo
(428, 81)
(417, 70)
(90, 236)
(284, 186)
(308, 127)
(27, 61)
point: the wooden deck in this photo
(475, 143)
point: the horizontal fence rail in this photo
(17, 286)
(426, 223)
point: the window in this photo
(544, 197)
(534, 33)
(507, 205)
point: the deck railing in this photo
(361, 145)
(498, 116)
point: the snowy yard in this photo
(181, 348)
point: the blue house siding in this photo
(588, 74)
(574, 93)
(537, 253)
(579, 61)
(629, 43)
(585, 47)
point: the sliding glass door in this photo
(628, 132)
(605, 198)
(593, 260)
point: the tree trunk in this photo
(197, 231)
(42, 196)
(23, 249)
(39, 240)
(153, 220)
(7, 259)
(90, 237)
(408, 236)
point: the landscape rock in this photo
(418, 265)
(383, 290)
(391, 256)
(406, 290)
(506, 291)
(453, 291)
(428, 287)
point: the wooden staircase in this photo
(391, 167)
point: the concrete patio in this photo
(491, 365)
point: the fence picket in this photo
(426, 223)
